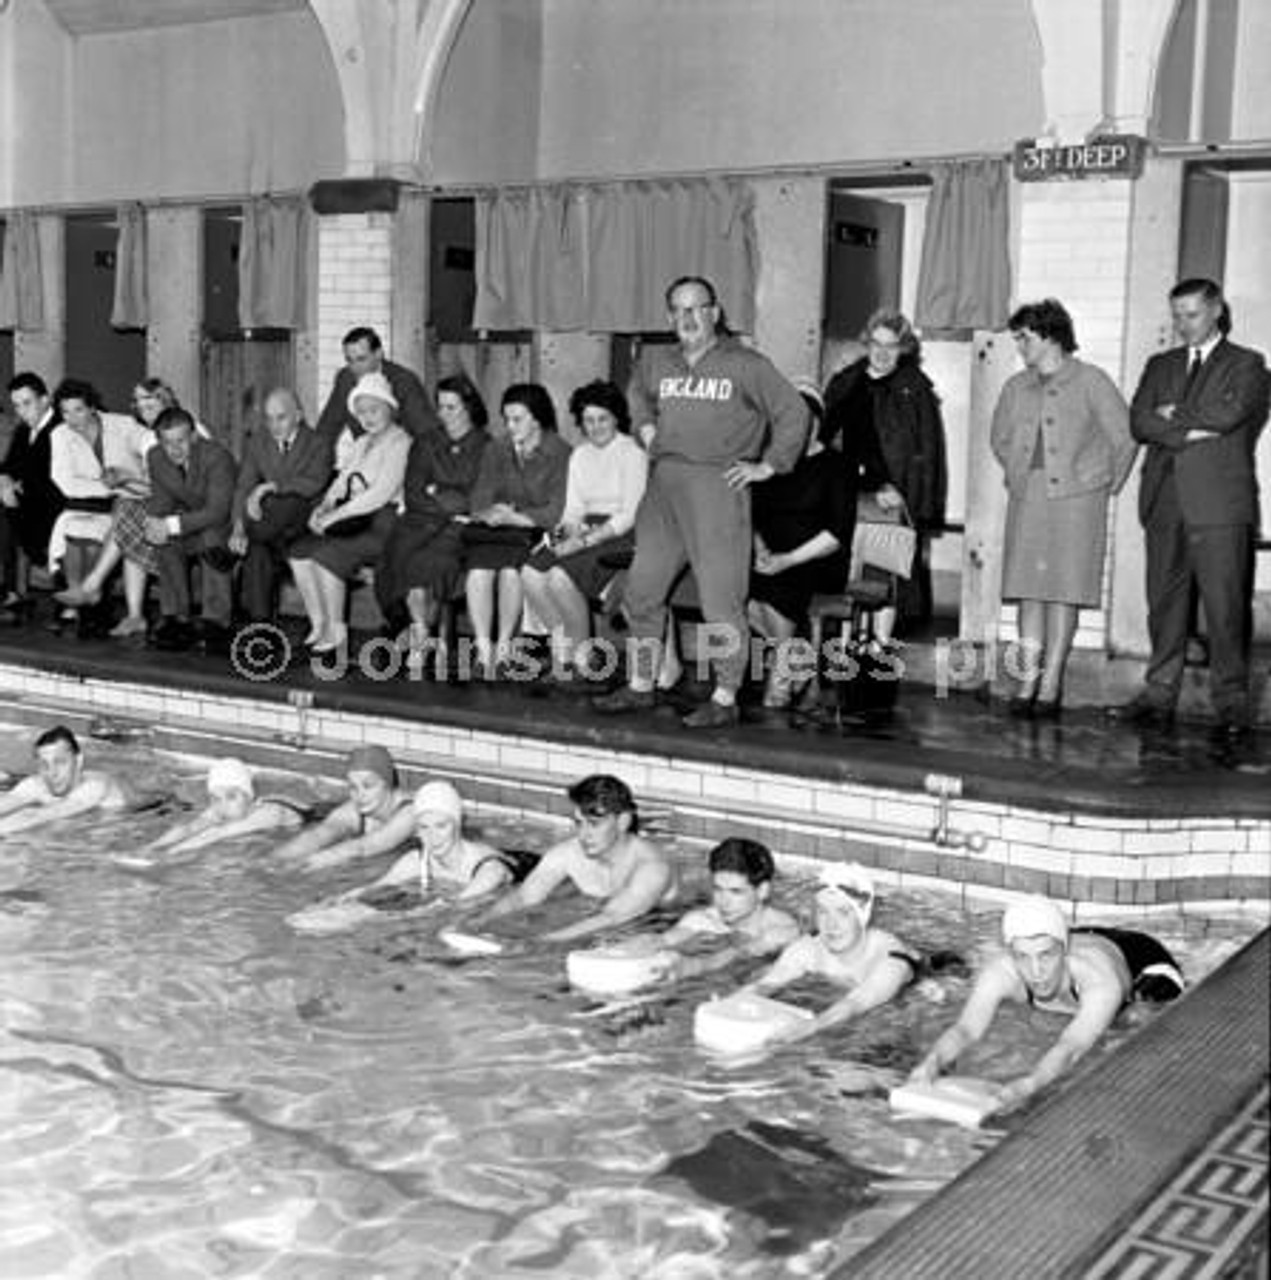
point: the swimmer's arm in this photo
(1096, 1013)
(338, 825)
(264, 817)
(884, 982)
(404, 870)
(26, 792)
(88, 795)
(789, 966)
(183, 831)
(996, 983)
(396, 831)
(490, 877)
(551, 872)
(642, 892)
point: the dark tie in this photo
(1193, 372)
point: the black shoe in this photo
(1048, 709)
(173, 635)
(214, 640)
(1021, 706)
(712, 715)
(624, 701)
(1141, 713)
(1232, 729)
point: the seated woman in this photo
(376, 818)
(846, 951)
(233, 811)
(420, 567)
(607, 476)
(519, 496)
(351, 523)
(803, 537)
(95, 458)
(127, 537)
(444, 864)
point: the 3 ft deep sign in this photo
(1112, 156)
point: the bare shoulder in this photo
(1096, 963)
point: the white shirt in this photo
(606, 482)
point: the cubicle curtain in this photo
(599, 258)
(272, 260)
(21, 277)
(131, 308)
(964, 281)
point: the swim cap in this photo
(1034, 917)
(229, 775)
(439, 797)
(376, 386)
(850, 883)
(373, 759)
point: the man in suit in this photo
(191, 496)
(30, 502)
(363, 354)
(285, 468)
(1199, 409)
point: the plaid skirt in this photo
(130, 533)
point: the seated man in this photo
(62, 787)
(739, 923)
(846, 950)
(285, 469)
(191, 492)
(376, 818)
(233, 811)
(607, 860)
(1088, 973)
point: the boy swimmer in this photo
(376, 818)
(606, 860)
(740, 921)
(233, 811)
(1090, 974)
(61, 787)
(846, 950)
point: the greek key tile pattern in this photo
(1207, 1216)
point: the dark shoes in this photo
(624, 701)
(1142, 713)
(173, 635)
(712, 715)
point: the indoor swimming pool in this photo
(190, 1088)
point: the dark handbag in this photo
(883, 539)
(352, 527)
(498, 535)
(862, 674)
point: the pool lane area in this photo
(1151, 1161)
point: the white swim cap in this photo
(439, 797)
(1034, 917)
(850, 883)
(229, 775)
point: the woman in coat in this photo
(1061, 432)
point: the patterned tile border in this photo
(988, 852)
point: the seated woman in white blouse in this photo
(352, 522)
(607, 477)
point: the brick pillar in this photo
(355, 285)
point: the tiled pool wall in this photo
(1100, 865)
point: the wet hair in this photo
(743, 857)
(1048, 319)
(600, 794)
(460, 385)
(172, 418)
(1208, 291)
(78, 389)
(363, 333)
(898, 323)
(28, 381)
(601, 395)
(58, 733)
(532, 396)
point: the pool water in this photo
(188, 1088)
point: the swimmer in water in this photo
(376, 818)
(1089, 974)
(445, 864)
(606, 860)
(740, 922)
(847, 951)
(60, 788)
(233, 811)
